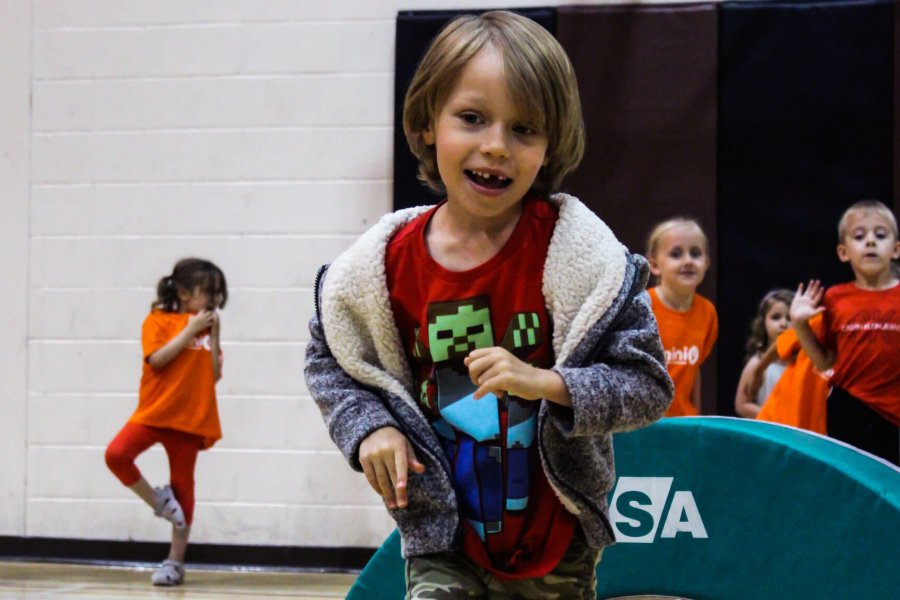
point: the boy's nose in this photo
(495, 142)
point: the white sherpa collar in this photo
(583, 275)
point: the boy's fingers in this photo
(485, 388)
(399, 478)
(387, 487)
(369, 472)
(414, 463)
(476, 354)
(476, 367)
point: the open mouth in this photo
(488, 180)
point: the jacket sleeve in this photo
(351, 411)
(625, 384)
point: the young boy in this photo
(474, 358)
(861, 340)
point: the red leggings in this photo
(181, 448)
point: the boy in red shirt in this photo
(474, 358)
(861, 339)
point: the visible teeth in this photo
(484, 175)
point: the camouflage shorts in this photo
(449, 576)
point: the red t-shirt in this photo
(514, 525)
(863, 327)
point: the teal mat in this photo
(713, 508)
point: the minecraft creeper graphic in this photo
(454, 329)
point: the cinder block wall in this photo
(257, 134)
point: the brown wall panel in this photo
(648, 82)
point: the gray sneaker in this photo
(169, 573)
(167, 507)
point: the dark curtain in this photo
(805, 129)
(647, 78)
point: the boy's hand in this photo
(385, 456)
(495, 370)
(806, 302)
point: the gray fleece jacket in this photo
(606, 347)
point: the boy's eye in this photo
(470, 118)
(524, 130)
(696, 252)
(676, 253)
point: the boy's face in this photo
(488, 154)
(868, 243)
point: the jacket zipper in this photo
(541, 423)
(319, 274)
(569, 492)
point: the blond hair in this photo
(665, 227)
(864, 206)
(541, 80)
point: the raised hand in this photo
(807, 301)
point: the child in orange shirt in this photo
(861, 339)
(678, 252)
(177, 401)
(799, 397)
(771, 319)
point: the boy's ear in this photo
(654, 268)
(896, 254)
(842, 253)
(428, 136)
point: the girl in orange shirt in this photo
(177, 400)
(772, 318)
(800, 396)
(678, 252)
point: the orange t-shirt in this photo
(182, 394)
(799, 398)
(687, 338)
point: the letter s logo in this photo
(634, 506)
(637, 506)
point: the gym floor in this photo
(29, 581)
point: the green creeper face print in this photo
(457, 328)
(523, 335)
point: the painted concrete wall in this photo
(256, 134)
